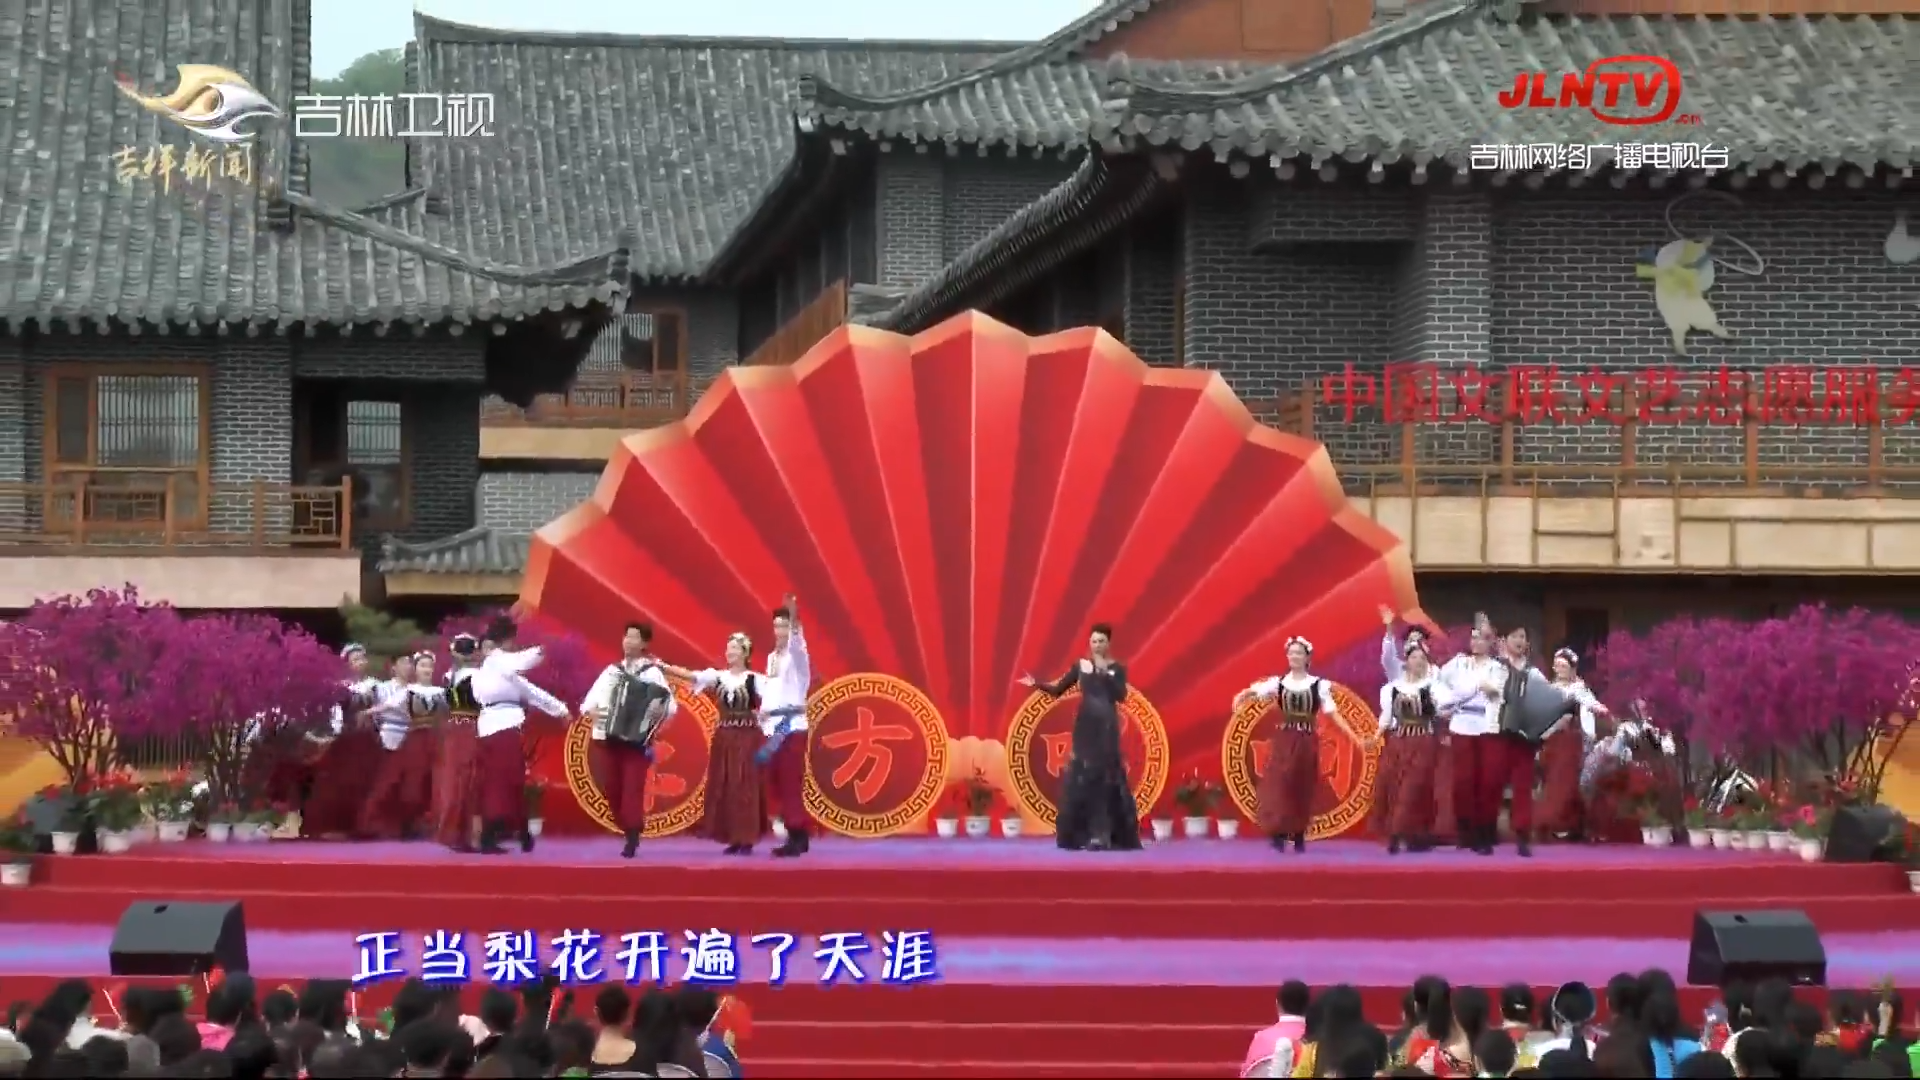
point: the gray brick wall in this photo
(444, 429)
(980, 193)
(523, 501)
(1306, 212)
(1152, 269)
(932, 206)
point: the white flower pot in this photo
(1812, 849)
(1656, 835)
(172, 832)
(64, 843)
(1779, 840)
(979, 827)
(262, 832)
(1699, 838)
(1229, 828)
(244, 832)
(1913, 881)
(535, 826)
(144, 833)
(946, 828)
(1737, 839)
(1197, 828)
(1756, 839)
(779, 829)
(219, 831)
(1010, 827)
(1162, 828)
(1721, 838)
(116, 843)
(16, 875)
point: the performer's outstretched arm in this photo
(540, 699)
(1332, 712)
(1391, 661)
(1060, 686)
(1265, 690)
(797, 656)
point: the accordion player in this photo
(637, 707)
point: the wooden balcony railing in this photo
(98, 509)
(1629, 481)
(616, 399)
(827, 313)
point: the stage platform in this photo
(1051, 963)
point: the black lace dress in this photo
(1097, 808)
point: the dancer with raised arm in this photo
(1392, 652)
(1403, 801)
(784, 724)
(403, 777)
(1518, 749)
(1293, 761)
(628, 704)
(1563, 754)
(1098, 811)
(455, 817)
(736, 811)
(503, 692)
(1471, 686)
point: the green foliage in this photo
(383, 636)
(355, 172)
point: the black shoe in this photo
(795, 846)
(1393, 845)
(490, 839)
(1299, 841)
(738, 849)
(1279, 841)
(526, 840)
(1521, 847)
(806, 841)
(632, 844)
(1420, 845)
(1466, 837)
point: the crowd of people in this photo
(244, 1035)
(1762, 1030)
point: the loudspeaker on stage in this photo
(1749, 946)
(173, 937)
(1865, 834)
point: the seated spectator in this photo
(1275, 1047)
(699, 1009)
(612, 1049)
(1495, 1051)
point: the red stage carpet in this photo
(1051, 964)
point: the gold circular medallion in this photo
(1040, 742)
(876, 755)
(677, 783)
(1347, 769)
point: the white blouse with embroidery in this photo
(1268, 689)
(1409, 687)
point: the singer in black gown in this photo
(1097, 807)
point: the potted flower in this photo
(1780, 836)
(220, 822)
(1757, 818)
(536, 795)
(263, 817)
(1011, 824)
(1162, 821)
(1196, 797)
(1699, 825)
(170, 804)
(16, 847)
(1905, 842)
(1720, 825)
(946, 821)
(117, 812)
(1809, 826)
(1227, 824)
(979, 802)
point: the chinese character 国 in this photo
(836, 956)
(513, 957)
(379, 957)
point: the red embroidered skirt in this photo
(1292, 780)
(736, 809)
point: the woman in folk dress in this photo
(1404, 807)
(1293, 763)
(736, 811)
(1564, 751)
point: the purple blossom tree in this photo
(567, 668)
(77, 673)
(238, 682)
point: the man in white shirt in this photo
(1471, 686)
(403, 778)
(783, 703)
(622, 767)
(501, 689)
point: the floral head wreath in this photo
(351, 649)
(1305, 645)
(1416, 645)
(742, 640)
(1568, 655)
(422, 655)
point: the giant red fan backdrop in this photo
(954, 510)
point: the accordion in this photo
(637, 710)
(1533, 705)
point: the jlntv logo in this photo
(1655, 82)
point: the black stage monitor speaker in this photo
(1753, 945)
(168, 937)
(1865, 834)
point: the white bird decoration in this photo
(1902, 248)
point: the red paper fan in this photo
(957, 508)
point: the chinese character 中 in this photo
(426, 115)
(443, 958)
(711, 957)
(469, 115)
(379, 957)
(782, 945)
(576, 957)
(836, 955)
(648, 947)
(513, 957)
(907, 956)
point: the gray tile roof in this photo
(1066, 221)
(1784, 90)
(78, 243)
(675, 137)
(476, 551)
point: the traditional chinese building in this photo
(212, 385)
